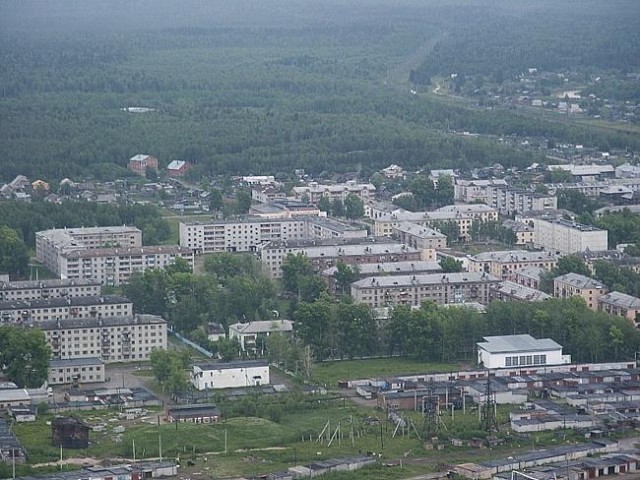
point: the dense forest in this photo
(253, 89)
(549, 36)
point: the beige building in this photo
(42, 289)
(506, 264)
(530, 276)
(419, 237)
(324, 254)
(575, 285)
(315, 191)
(51, 244)
(565, 237)
(248, 234)
(441, 288)
(525, 234)
(462, 215)
(114, 266)
(622, 305)
(37, 310)
(112, 339)
(248, 333)
(76, 370)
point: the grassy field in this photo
(257, 445)
(330, 373)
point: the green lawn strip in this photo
(330, 373)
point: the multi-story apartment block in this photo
(112, 339)
(594, 189)
(565, 236)
(525, 234)
(441, 288)
(285, 209)
(365, 270)
(484, 213)
(530, 276)
(267, 194)
(247, 234)
(575, 285)
(35, 289)
(474, 191)
(385, 224)
(51, 244)
(509, 201)
(419, 237)
(38, 310)
(114, 266)
(315, 191)
(622, 305)
(506, 264)
(508, 291)
(327, 253)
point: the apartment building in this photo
(622, 305)
(509, 291)
(314, 191)
(32, 290)
(475, 191)
(366, 270)
(285, 209)
(114, 266)
(525, 234)
(76, 370)
(51, 244)
(462, 215)
(530, 276)
(37, 310)
(565, 236)
(247, 234)
(441, 288)
(509, 201)
(575, 285)
(267, 194)
(326, 253)
(112, 339)
(419, 237)
(594, 189)
(506, 264)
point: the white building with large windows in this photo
(521, 351)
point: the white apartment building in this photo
(247, 234)
(267, 194)
(441, 288)
(36, 289)
(239, 374)
(114, 266)
(315, 191)
(38, 310)
(112, 339)
(325, 254)
(565, 237)
(51, 244)
(506, 264)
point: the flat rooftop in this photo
(63, 302)
(397, 281)
(124, 321)
(517, 343)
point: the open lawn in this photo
(257, 445)
(330, 373)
